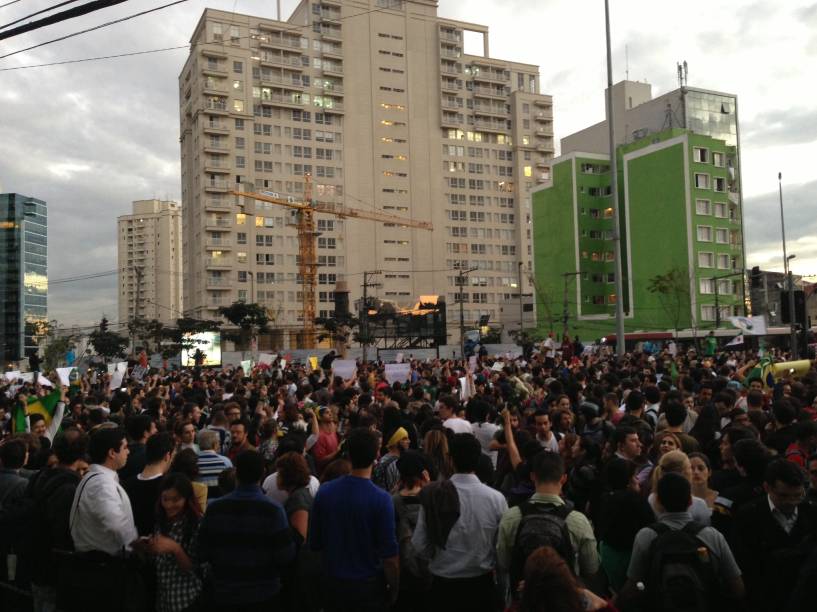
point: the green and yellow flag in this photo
(45, 405)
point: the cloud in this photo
(763, 232)
(782, 127)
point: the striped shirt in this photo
(211, 464)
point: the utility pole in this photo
(139, 270)
(364, 315)
(565, 314)
(787, 271)
(521, 309)
(620, 342)
(461, 276)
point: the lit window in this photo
(259, 222)
(528, 171)
(240, 218)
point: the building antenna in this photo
(683, 73)
(686, 73)
(626, 62)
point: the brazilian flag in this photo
(45, 405)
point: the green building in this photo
(680, 220)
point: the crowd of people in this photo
(663, 480)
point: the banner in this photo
(246, 365)
(313, 363)
(13, 375)
(399, 358)
(118, 374)
(44, 382)
(736, 341)
(397, 372)
(472, 363)
(751, 326)
(65, 376)
(465, 389)
(266, 358)
(345, 368)
(138, 372)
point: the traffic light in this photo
(799, 307)
(756, 277)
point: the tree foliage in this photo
(108, 344)
(250, 319)
(58, 343)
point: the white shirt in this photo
(101, 516)
(785, 522)
(551, 445)
(458, 425)
(485, 432)
(270, 488)
(470, 549)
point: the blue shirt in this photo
(352, 523)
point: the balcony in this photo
(332, 68)
(216, 148)
(280, 100)
(734, 197)
(218, 225)
(332, 50)
(216, 167)
(450, 53)
(295, 84)
(218, 284)
(452, 120)
(214, 69)
(544, 116)
(452, 104)
(495, 111)
(331, 87)
(218, 245)
(544, 148)
(336, 107)
(288, 62)
(218, 53)
(492, 126)
(217, 186)
(216, 128)
(217, 206)
(491, 76)
(450, 85)
(543, 133)
(453, 37)
(330, 16)
(213, 108)
(330, 33)
(280, 42)
(218, 263)
(445, 69)
(541, 163)
(546, 104)
(542, 178)
(491, 92)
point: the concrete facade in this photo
(150, 261)
(380, 103)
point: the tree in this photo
(672, 290)
(147, 334)
(106, 343)
(250, 319)
(58, 343)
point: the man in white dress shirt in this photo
(101, 516)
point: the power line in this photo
(9, 3)
(45, 10)
(288, 28)
(97, 27)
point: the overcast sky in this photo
(91, 137)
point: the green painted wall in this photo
(657, 191)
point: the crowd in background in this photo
(558, 480)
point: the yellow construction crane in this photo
(307, 237)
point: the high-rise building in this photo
(379, 101)
(680, 216)
(150, 261)
(23, 274)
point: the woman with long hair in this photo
(435, 446)
(550, 586)
(701, 473)
(174, 544)
(678, 462)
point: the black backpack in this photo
(681, 575)
(542, 524)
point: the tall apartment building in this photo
(23, 274)
(680, 211)
(379, 102)
(150, 261)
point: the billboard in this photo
(208, 343)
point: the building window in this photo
(702, 207)
(701, 180)
(241, 257)
(707, 313)
(707, 286)
(722, 236)
(241, 238)
(238, 67)
(720, 210)
(706, 260)
(719, 184)
(704, 233)
(718, 159)
(724, 262)
(238, 106)
(239, 124)
(700, 155)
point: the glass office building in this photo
(23, 274)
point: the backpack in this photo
(681, 577)
(542, 524)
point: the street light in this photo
(787, 272)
